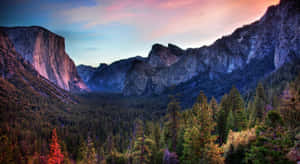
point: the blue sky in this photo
(103, 31)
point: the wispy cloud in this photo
(156, 18)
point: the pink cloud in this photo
(156, 19)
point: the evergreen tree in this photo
(238, 109)
(91, 152)
(156, 149)
(251, 114)
(290, 105)
(173, 120)
(55, 156)
(230, 122)
(142, 147)
(198, 140)
(82, 153)
(259, 102)
(87, 152)
(222, 119)
(213, 104)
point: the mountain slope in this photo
(20, 83)
(243, 58)
(46, 52)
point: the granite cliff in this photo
(20, 83)
(45, 51)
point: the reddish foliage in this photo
(55, 156)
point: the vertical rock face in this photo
(46, 52)
(19, 80)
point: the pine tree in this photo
(55, 156)
(222, 119)
(238, 109)
(213, 104)
(230, 122)
(91, 152)
(142, 147)
(87, 152)
(259, 102)
(290, 104)
(173, 119)
(156, 148)
(198, 141)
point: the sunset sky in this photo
(102, 31)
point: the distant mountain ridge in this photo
(248, 55)
(45, 51)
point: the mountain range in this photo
(252, 53)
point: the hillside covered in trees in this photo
(112, 129)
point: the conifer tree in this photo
(259, 102)
(173, 120)
(290, 104)
(87, 152)
(198, 140)
(230, 122)
(142, 147)
(222, 119)
(156, 148)
(55, 156)
(91, 152)
(238, 109)
(213, 104)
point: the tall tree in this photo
(213, 104)
(238, 109)
(91, 152)
(290, 104)
(142, 146)
(55, 156)
(173, 120)
(87, 152)
(156, 148)
(259, 102)
(198, 140)
(222, 119)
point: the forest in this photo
(111, 129)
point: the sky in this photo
(103, 31)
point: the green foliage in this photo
(222, 127)
(199, 144)
(173, 120)
(273, 119)
(142, 153)
(230, 122)
(213, 104)
(271, 146)
(117, 139)
(259, 103)
(290, 104)
(237, 107)
(237, 144)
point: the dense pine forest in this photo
(102, 128)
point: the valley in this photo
(236, 101)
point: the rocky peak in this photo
(161, 56)
(45, 51)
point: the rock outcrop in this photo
(19, 81)
(45, 51)
(248, 55)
